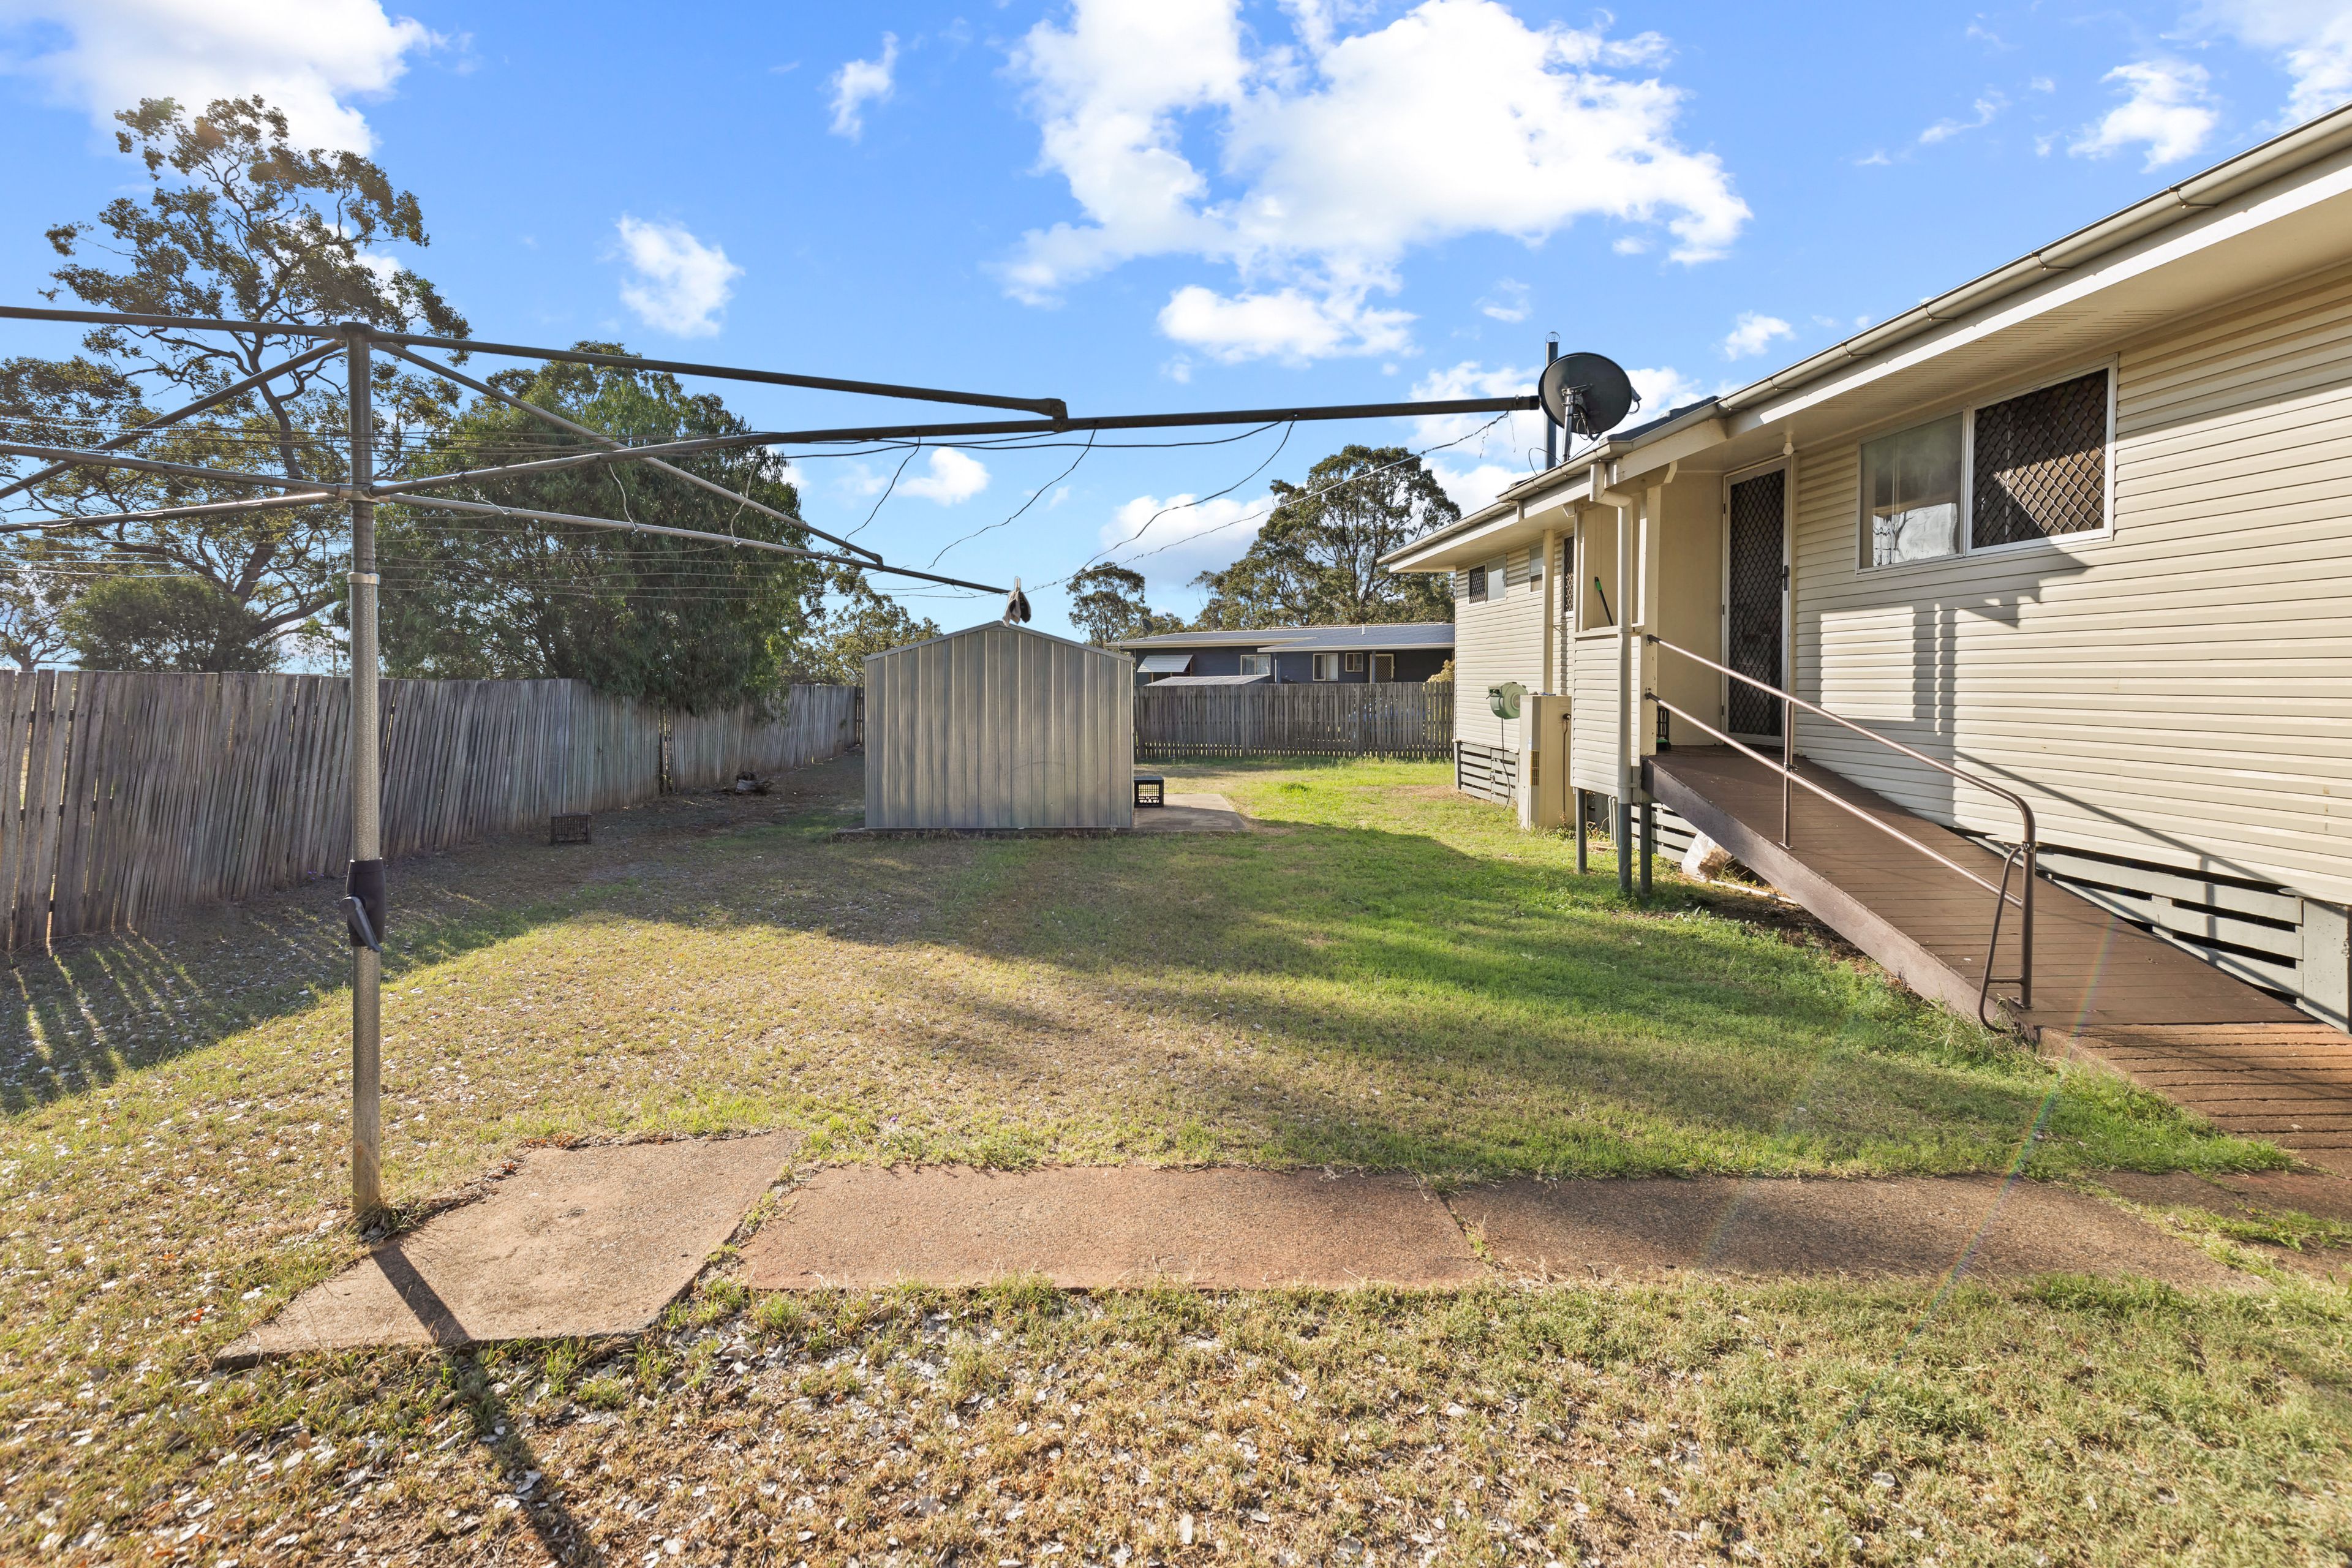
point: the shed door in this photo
(1754, 597)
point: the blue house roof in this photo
(1382, 638)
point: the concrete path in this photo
(579, 1241)
(1121, 1225)
(858, 1227)
(1200, 811)
(1916, 1227)
(599, 1240)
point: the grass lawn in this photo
(1389, 976)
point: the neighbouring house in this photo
(1404, 651)
(2080, 528)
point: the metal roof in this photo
(1309, 639)
(2277, 157)
(1210, 681)
(1164, 663)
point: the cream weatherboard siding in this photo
(2179, 692)
(1493, 642)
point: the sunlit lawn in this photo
(1386, 976)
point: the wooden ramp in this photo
(2101, 985)
(1930, 925)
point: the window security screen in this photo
(2042, 464)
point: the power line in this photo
(1024, 506)
(1287, 501)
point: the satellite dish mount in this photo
(1586, 394)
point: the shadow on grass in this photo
(1521, 1019)
(78, 1017)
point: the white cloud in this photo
(1337, 154)
(680, 284)
(1288, 324)
(860, 83)
(1172, 541)
(1753, 333)
(955, 478)
(1507, 301)
(2313, 40)
(307, 57)
(2166, 109)
(1662, 388)
(1986, 108)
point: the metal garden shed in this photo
(1000, 727)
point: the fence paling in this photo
(127, 795)
(1329, 719)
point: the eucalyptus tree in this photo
(1315, 561)
(237, 224)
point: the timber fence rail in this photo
(134, 794)
(1326, 720)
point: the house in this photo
(1406, 651)
(2080, 528)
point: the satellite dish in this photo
(1586, 393)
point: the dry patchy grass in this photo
(1389, 978)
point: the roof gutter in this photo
(2284, 155)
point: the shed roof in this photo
(1007, 628)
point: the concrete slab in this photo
(595, 1240)
(1222, 1229)
(1917, 1228)
(1200, 811)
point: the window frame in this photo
(1351, 664)
(1263, 663)
(1967, 410)
(1320, 667)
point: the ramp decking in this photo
(2101, 985)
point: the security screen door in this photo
(1753, 600)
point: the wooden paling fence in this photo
(1326, 720)
(134, 794)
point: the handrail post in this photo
(2025, 928)
(2029, 841)
(1788, 762)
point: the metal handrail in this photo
(2024, 849)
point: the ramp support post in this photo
(1649, 843)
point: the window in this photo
(1911, 493)
(2041, 466)
(1487, 582)
(2029, 467)
(1353, 663)
(1383, 666)
(1327, 667)
(1257, 664)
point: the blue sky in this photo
(1147, 205)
